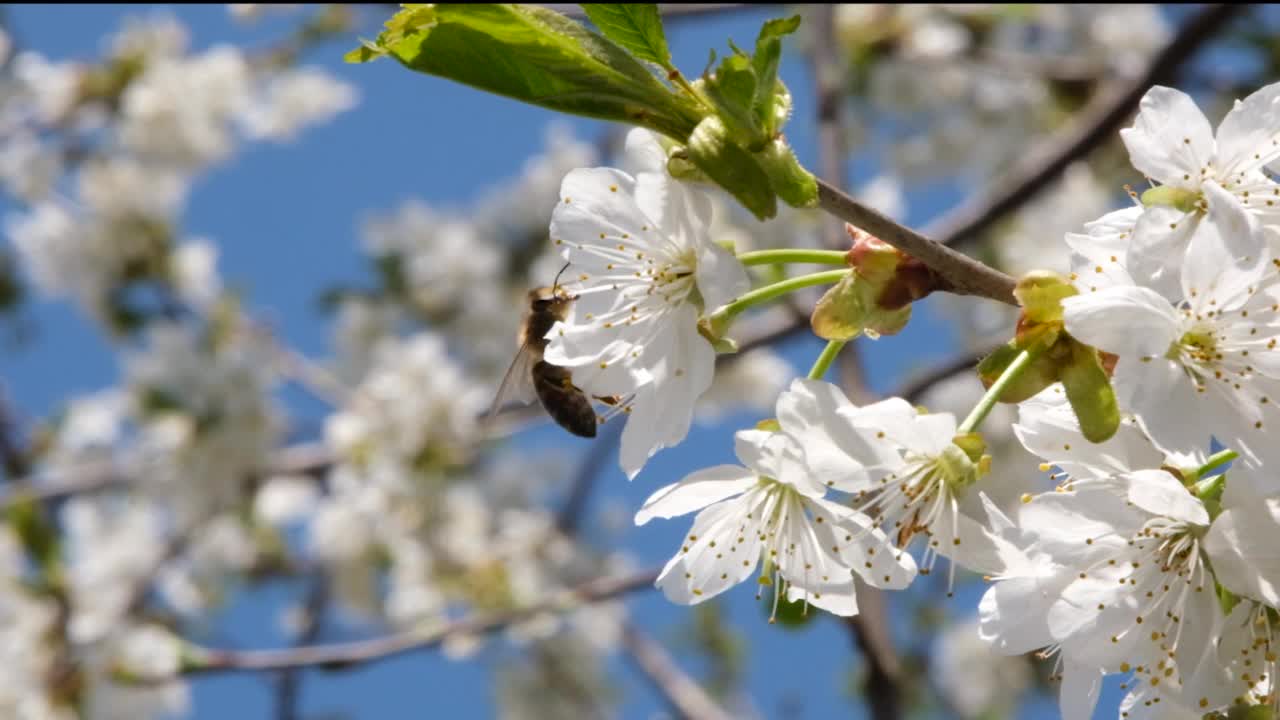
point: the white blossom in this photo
(1122, 574)
(905, 473)
(1214, 178)
(294, 99)
(1200, 367)
(284, 499)
(642, 270)
(810, 546)
(179, 110)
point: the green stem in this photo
(824, 360)
(721, 317)
(1215, 461)
(790, 255)
(997, 389)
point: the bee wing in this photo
(517, 384)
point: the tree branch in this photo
(345, 655)
(1088, 130)
(288, 684)
(685, 696)
(965, 275)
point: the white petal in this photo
(1012, 613)
(839, 600)
(1156, 253)
(696, 491)
(643, 434)
(1047, 427)
(1242, 546)
(589, 206)
(1085, 631)
(1159, 493)
(1170, 140)
(807, 553)
(1127, 321)
(1100, 256)
(901, 423)
(712, 560)
(972, 545)
(1078, 695)
(721, 276)
(1072, 527)
(644, 152)
(863, 546)
(1163, 398)
(835, 453)
(1247, 135)
(1227, 256)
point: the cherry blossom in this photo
(643, 270)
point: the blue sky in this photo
(286, 218)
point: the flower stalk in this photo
(828, 356)
(992, 396)
(794, 255)
(719, 319)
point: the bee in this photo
(565, 402)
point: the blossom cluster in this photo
(1146, 559)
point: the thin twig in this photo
(964, 275)
(345, 655)
(314, 610)
(1088, 130)
(687, 699)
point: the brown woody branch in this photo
(1089, 129)
(340, 656)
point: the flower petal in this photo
(1159, 493)
(1170, 141)
(1247, 136)
(644, 153)
(696, 491)
(1156, 253)
(721, 550)
(1078, 695)
(835, 453)
(1127, 321)
(1241, 544)
(721, 276)
(1227, 255)
(862, 546)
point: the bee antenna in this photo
(555, 284)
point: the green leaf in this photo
(765, 64)
(1039, 375)
(637, 28)
(538, 56)
(731, 167)
(366, 52)
(411, 19)
(732, 90)
(1090, 394)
